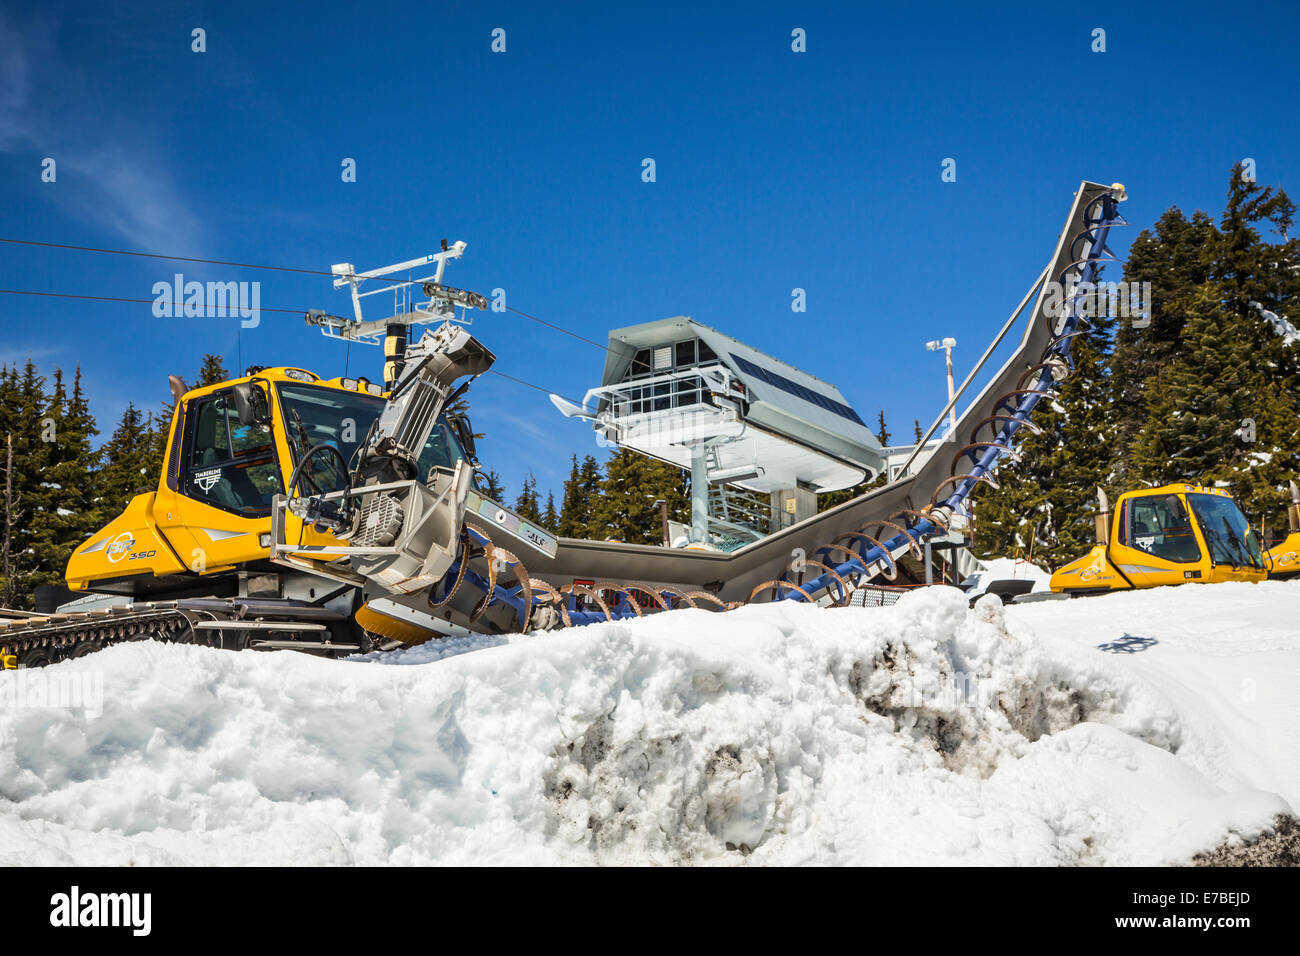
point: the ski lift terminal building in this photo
(685, 393)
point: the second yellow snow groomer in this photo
(1174, 534)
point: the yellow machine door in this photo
(1234, 549)
(225, 478)
(1157, 543)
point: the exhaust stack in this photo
(1103, 518)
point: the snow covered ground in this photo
(1137, 728)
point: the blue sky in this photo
(775, 170)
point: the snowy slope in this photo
(920, 733)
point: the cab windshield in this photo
(1227, 532)
(314, 415)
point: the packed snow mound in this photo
(926, 732)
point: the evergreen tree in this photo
(920, 432)
(70, 513)
(85, 461)
(12, 578)
(129, 465)
(1260, 476)
(1251, 269)
(1045, 504)
(492, 487)
(32, 499)
(1174, 257)
(459, 408)
(574, 508)
(528, 504)
(1257, 276)
(1197, 402)
(1224, 409)
(8, 399)
(1214, 418)
(577, 502)
(550, 518)
(591, 481)
(10, 581)
(625, 509)
(882, 433)
(158, 427)
(1205, 390)
(212, 371)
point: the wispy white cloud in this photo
(141, 201)
(15, 87)
(122, 184)
(528, 426)
(19, 356)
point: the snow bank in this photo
(920, 733)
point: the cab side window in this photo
(210, 444)
(1160, 526)
(229, 465)
(440, 451)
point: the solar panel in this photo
(797, 390)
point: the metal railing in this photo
(736, 508)
(671, 390)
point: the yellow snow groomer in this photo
(1284, 557)
(1176, 534)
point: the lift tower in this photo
(394, 329)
